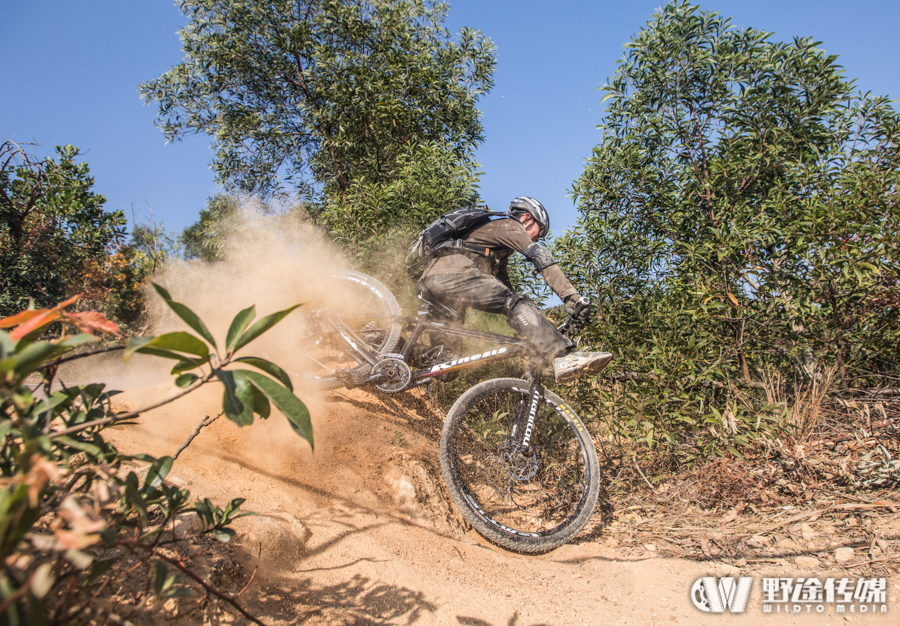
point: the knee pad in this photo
(512, 302)
(523, 316)
(525, 319)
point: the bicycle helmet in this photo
(526, 204)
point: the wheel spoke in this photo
(539, 490)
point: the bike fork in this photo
(527, 413)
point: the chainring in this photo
(395, 374)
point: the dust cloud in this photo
(270, 262)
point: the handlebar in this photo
(571, 327)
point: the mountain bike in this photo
(518, 462)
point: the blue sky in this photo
(70, 73)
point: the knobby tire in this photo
(532, 501)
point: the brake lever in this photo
(571, 327)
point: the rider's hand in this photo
(579, 307)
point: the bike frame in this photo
(509, 348)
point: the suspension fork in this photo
(527, 414)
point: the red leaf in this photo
(30, 321)
(46, 317)
(19, 318)
(89, 321)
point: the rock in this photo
(843, 555)
(807, 562)
(187, 525)
(650, 547)
(281, 535)
(404, 492)
(758, 540)
(807, 532)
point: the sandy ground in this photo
(362, 531)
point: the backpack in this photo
(445, 236)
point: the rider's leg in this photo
(553, 346)
(485, 293)
(523, 316)
(436, 305)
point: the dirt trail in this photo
(362, 531)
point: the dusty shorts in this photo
(447, 297)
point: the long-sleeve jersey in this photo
(501, 237)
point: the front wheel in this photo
(531, 500)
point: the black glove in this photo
(579, 307)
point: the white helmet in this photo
(526, 204)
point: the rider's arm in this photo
(558, 282)
(510, 234)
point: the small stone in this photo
(649, 547)
(187, 525)
(882, 544)
(807, 532)
(741, 562)
(612, 542)
(807, 562)
(171, 606)
(842, 555)
(786, 544)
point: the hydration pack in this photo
(445, 236)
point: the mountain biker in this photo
(481, 281)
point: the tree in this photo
(326, 92)
(746, 181)
(376, 221)
(205, 238)
(52, 227)
(738, 223)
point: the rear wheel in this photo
(366, 309)
(530, 500)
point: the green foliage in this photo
(151, 247)
(326, 92)
(739, 215)
(52, 227)
(205, 238)
(376, 221)
(66, 496)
